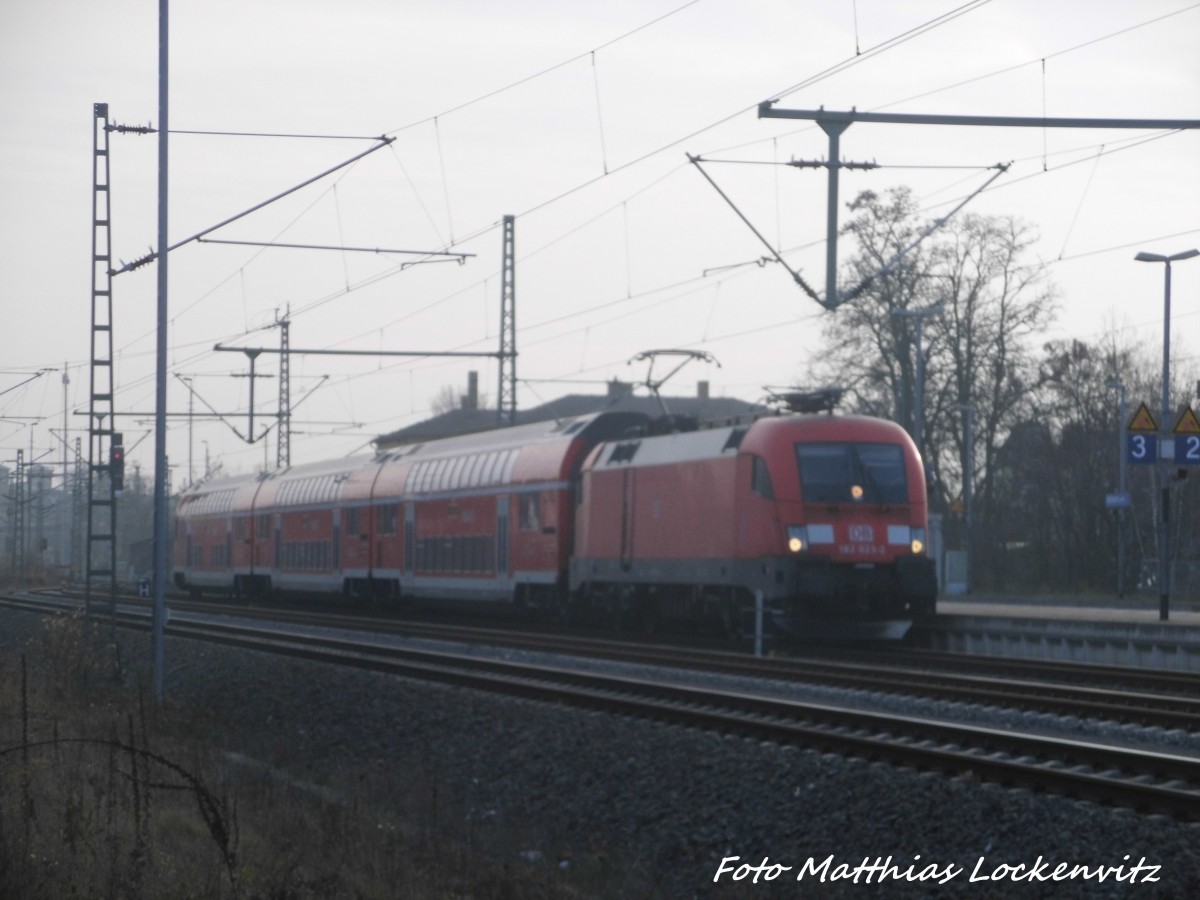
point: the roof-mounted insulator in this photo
(133, 129)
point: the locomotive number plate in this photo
(862, 550)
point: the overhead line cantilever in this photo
(833, 123)
(150, 257)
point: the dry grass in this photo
(104, 794)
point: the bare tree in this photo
(869, 351)
(445, 400)
(994, 308)
(979, 352)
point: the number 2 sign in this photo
(1187, 449)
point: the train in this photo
(818, 520)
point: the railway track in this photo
(1146, 781)
(1166, 700)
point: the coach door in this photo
(410, 541)
(502, 536)
(628, 479)
(337, 539)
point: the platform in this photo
(1071, 629)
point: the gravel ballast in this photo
(666, 806)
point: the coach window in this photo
(461, 466)
(385, 517)
(471, 471)
(354, 521)
(760, 479)
(529, 519)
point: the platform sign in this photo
(1119, 500)
(1142, 421)
(1141, 448)
(1187, 438)
(1141, 444)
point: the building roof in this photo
(701, 408)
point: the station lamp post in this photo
(1119, 386)
(1164, 522)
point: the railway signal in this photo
(116, 462)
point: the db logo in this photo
(863, 534)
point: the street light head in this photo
(1143, 256)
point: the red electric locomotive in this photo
(824, 515)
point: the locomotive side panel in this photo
(682, 511)
(656, 531)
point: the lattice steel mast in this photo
(506, 403)
(283, 454)
(101, 554)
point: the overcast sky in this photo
(575, 118)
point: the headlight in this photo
(918, 540)
(797, 538)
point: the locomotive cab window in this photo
(760, 479)
(848, 473)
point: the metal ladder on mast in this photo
(101, 554)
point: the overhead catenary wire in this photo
(437, 132)
(984, 77)
(884, 46)
(1079, 207)
(546, 71)
(556, 198)
(1068, 257)
(1012, 182)
(599, 115)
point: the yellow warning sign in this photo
(1142, 420)
(1188, 423)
